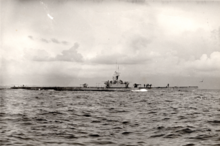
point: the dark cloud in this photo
(135, 52)
(62, 2)
(70, 55)
(139, 43)
(121, 58)
(44, 40)
(65, 42)
(39, 55)
(24, 1)
(215, 34)
(55, 41)
(30, 37)
(135, 1)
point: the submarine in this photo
(114, 85)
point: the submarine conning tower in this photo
(116, 83)
(116, 76)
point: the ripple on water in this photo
(110, 118)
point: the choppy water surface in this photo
(154, 118)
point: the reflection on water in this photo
(151, 118)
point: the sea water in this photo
(152, 118)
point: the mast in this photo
(116, 74)
(118, 68)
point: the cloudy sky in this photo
(67, 43)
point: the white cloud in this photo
(206, 63)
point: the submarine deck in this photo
(104, 89)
